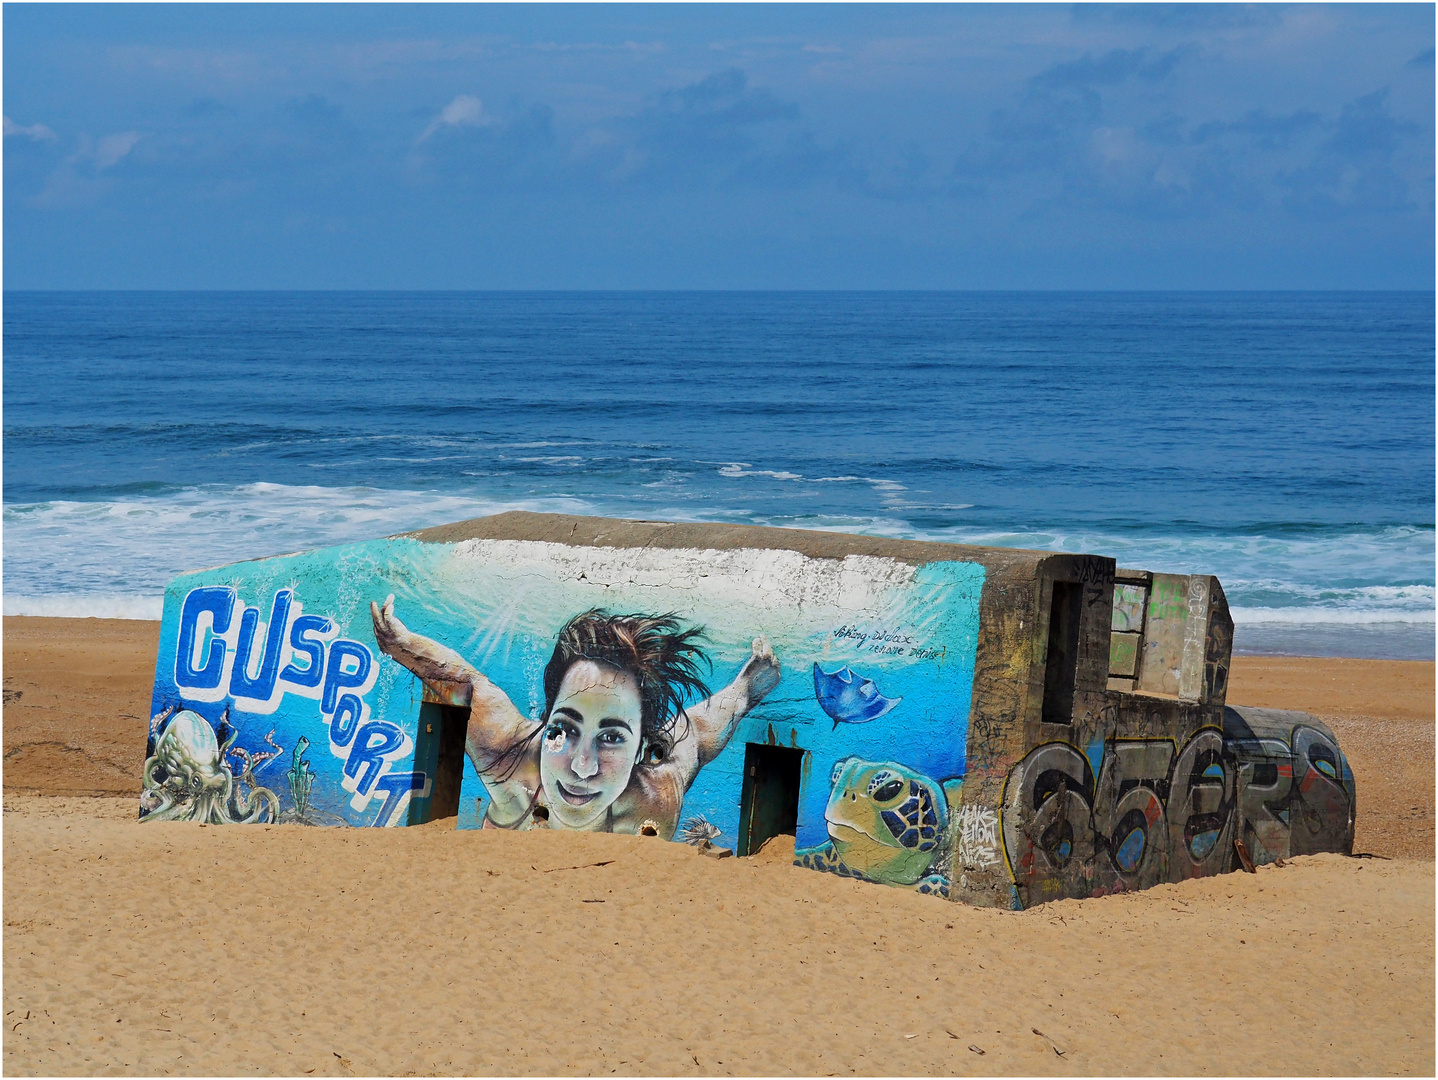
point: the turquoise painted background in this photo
(912, 630)
(331, 586)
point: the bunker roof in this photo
(620, 533)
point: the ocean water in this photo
(1284, 442)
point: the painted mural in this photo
(604, 689)
(619, 738)
(188, 774)
(246, 679)
(887, 824)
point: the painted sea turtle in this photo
(886, 823)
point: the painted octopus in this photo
(187, 778)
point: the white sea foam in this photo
(114, 558)
(107, 559)
(738, 468)
(1303, 616)
(86, 606)
(887, 490)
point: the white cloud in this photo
(78, 180)
(113, 147)
(463, 111)
(38, 132)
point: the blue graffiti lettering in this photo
(337, 678)
(220, 603)
(394, 786)
(346, 719)
(263, 684)
(367, 756)
(311, 675)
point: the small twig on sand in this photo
(1051, 1043)
(581, 866)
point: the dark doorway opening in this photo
(1062, 661)
(770, 800)
(439, 751)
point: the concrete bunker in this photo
(996, 726)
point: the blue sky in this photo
(973, 147)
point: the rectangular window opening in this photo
(1130, 601)
(1062, 657)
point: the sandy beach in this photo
(175, 948)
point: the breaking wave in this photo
(113, 558)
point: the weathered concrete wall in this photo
(1001, 726)
(1152, 778)
(1294, 792)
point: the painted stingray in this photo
(849, 698)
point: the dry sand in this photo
(176, 948)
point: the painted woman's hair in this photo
(663, 658)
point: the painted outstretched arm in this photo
(444, 671)
(494, 721)
(714, 718)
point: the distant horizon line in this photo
(764, 291)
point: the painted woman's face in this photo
(590, 744)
